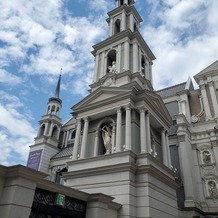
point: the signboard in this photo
(34, 159)
(60, 200)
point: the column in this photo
(213, 97)
(131, 24)
(46, 130)
(63, 140)
(135, 59)
(139, 60)
(164, 147)
(111, 26)
(51, 129)
(147, 73)
(58, 133)
(77, 137)
(205, 101)
(123, 22)
(186, 163)
(113, 137)
(126, 56)
(168, 150)
(128, 137)
(102, 64)
(118, 61)
(148, 131)
(96, 68)
(150, 72)
(117, 3)
(67, 137)
(143, 131)
(118, 133)
(84, 139)
(96, 143)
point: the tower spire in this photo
(57, 90)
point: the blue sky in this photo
(38, 38)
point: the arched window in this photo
(53, 109)
(111, 57)
(121, 2)
(73, 134)
(42, 130)
(143, 65)
(117, 26)
(135, 27)
(55, 132)
(48, 109)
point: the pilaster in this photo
(84, 139)
(119, 127)
(77, 139)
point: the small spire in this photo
(57, 90)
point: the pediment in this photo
(156, 105)
(100, 95)
(208, 70)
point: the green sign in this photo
(60, 200)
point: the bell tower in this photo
(121, 145)
(47, 140)
(124, 51)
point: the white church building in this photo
(138, 152)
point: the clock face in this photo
(108, 82)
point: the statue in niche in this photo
(212, 188)
(112, 69)
(206, 157)
(106, 135)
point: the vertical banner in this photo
(34, 159)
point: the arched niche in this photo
(48, 110)
(53, 109)
(106, 124)
(143, 65)
(117, 26)
(55, 132)
(57, 110)
(111, 57)
(73, 134)
(135, 27)
(42, 130)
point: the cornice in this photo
(127, 9)
(128, 166)
(24, 172)
(123, 35)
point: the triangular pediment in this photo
(208, 70)
(156, 105)
(101, 94)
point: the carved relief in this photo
(206, 157)
(212, 188)
(208, 170)
(211, 185)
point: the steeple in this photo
(50, 123)
(54, 103)
(47, 139)
(57, 90)
(124, 51)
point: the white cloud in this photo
(9, 78)
(16, 132)
(184, 52)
